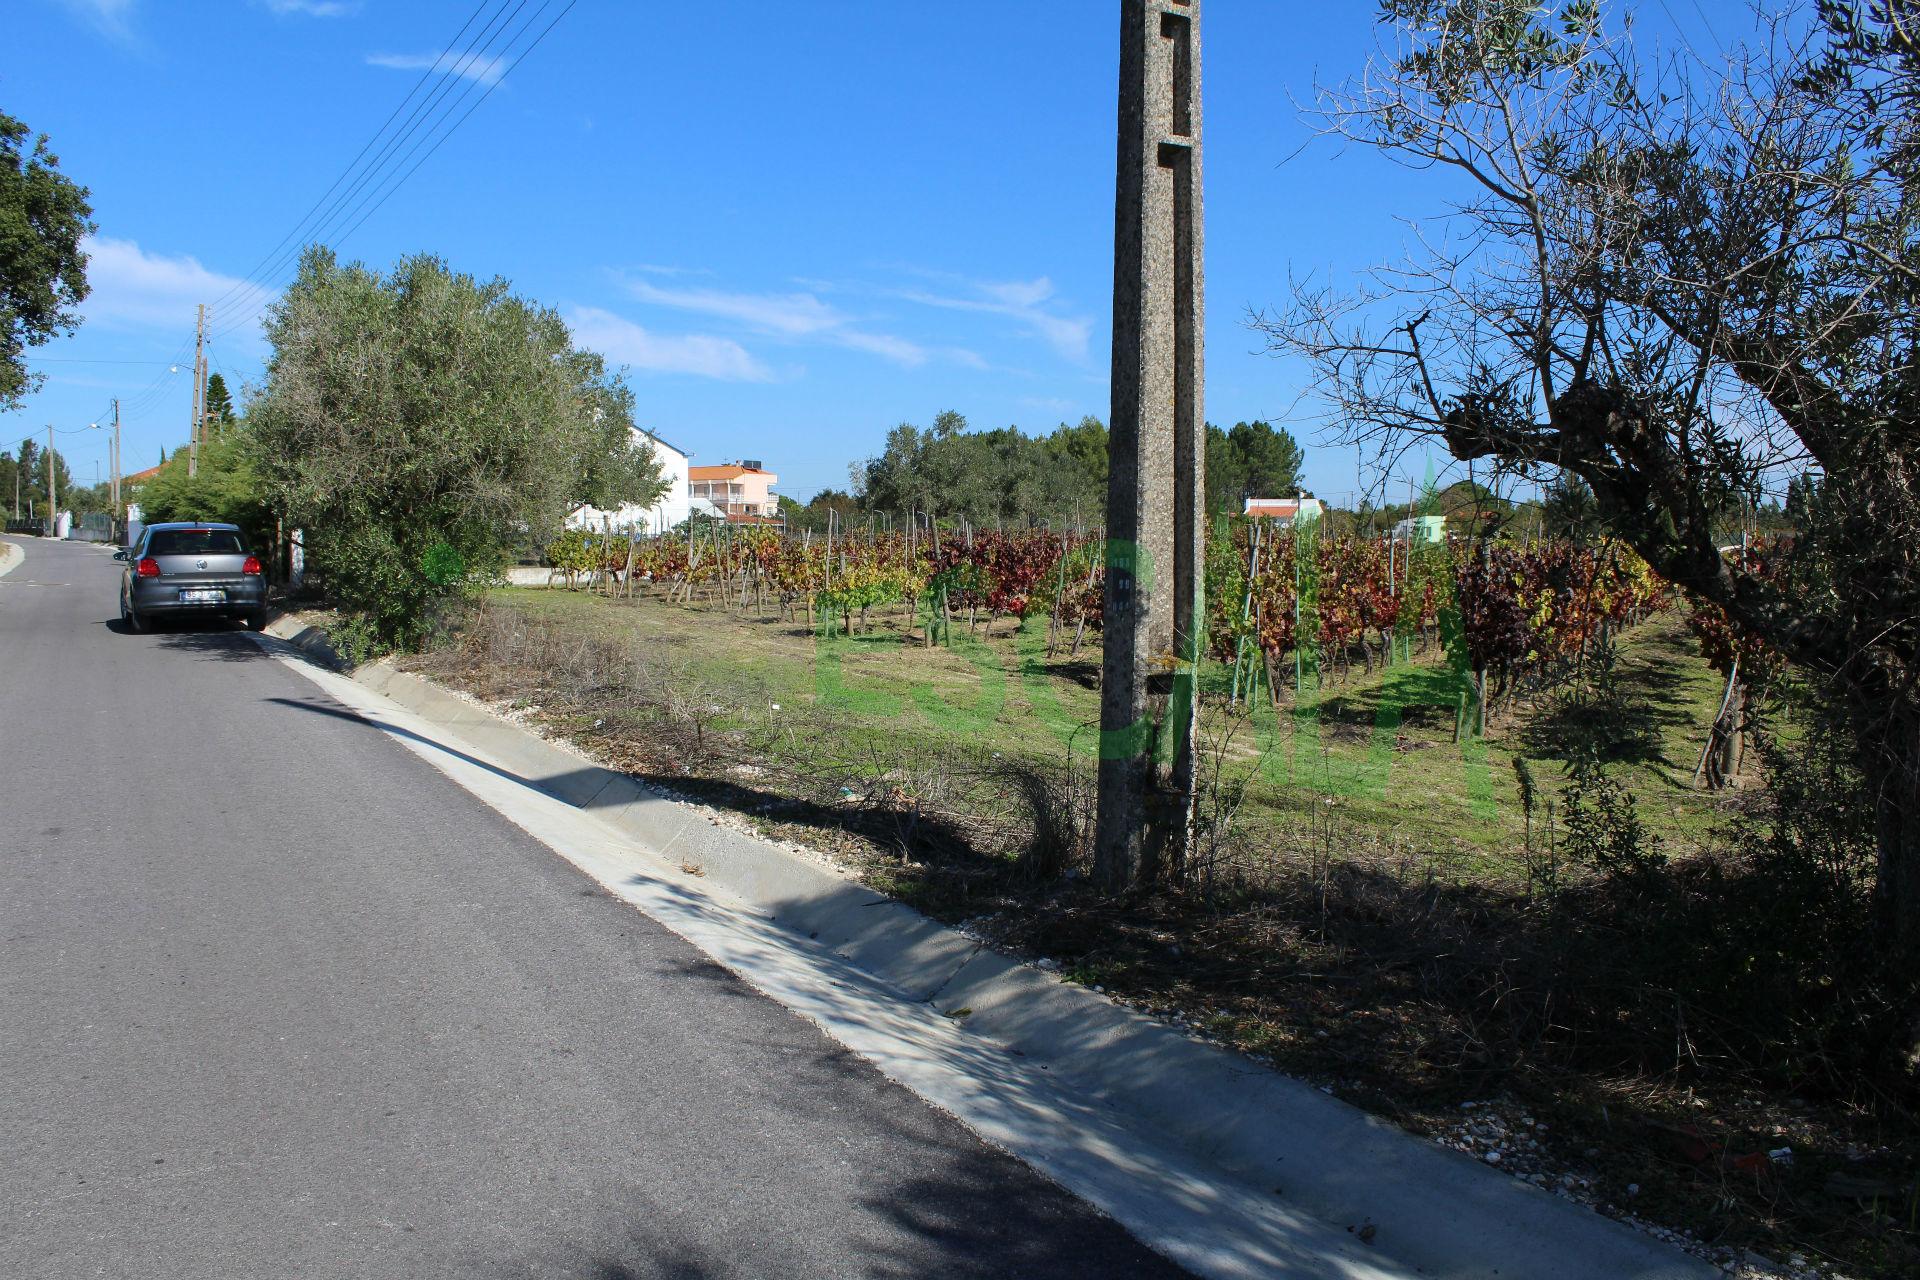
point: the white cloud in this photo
(1019, 294)
(137, 289)
(794, 316)
(701, 355)
(962, 356)
(111, 17)
(1052, 404)
(310, 8)
(791, 314)
(898, 350)
(485, 70)
(1026, 301)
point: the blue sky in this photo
(797, 224)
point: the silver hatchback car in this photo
(191, 570)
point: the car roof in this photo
(194, 524)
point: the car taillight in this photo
(149, 568)
(251, 566)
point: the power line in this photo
(378, 180)
(1681, 31)
(373, 201)
(470, 110)
(421, 124)
(146, 396)
(135, 408)
(449, 69)
(79, 360)
(424, 77)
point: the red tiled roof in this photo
(730, 471)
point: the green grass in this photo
(1387, 940)
(1377, 750)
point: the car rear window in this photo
(195, 542)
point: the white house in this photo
(670, 510)
(1286, 510)
(1421, 529)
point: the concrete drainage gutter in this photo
(10, 557)
(1435, 1212)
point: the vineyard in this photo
(921, 708)
(1288, 607)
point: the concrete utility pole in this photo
(199, 390)
(1156, 454)
(116, 458)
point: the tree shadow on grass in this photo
(1633, 728)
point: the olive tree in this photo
(1682, 285)
(417, 423)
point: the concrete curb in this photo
(11, 557)
(1438, 1212)
(311, 641)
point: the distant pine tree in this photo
(219, 401)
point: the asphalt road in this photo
(278, 999)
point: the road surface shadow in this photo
(555, 786)
(211, 641)
(974, 1214)
(213, 638)
(953, 1208)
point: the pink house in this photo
(738, 490)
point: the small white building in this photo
(1421, 529)
(1286, 510)
(670, 510)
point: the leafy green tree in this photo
(1269, 458)
(227, 487)
(34, 478)
(418, 423)
(891, 480)
(918, 471)
(1250, 460)
(219, 399)
(1000, 477)
(827, 505)
(20, 477)
(1074, 466)
(44, 216)
(1225, 482)
(88, 499)
(616, 473)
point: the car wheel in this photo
(131, 616)
(254, 620)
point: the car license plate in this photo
(203, 597)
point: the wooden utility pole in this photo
(53, 501)
(1156, 455)
(199, 391)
